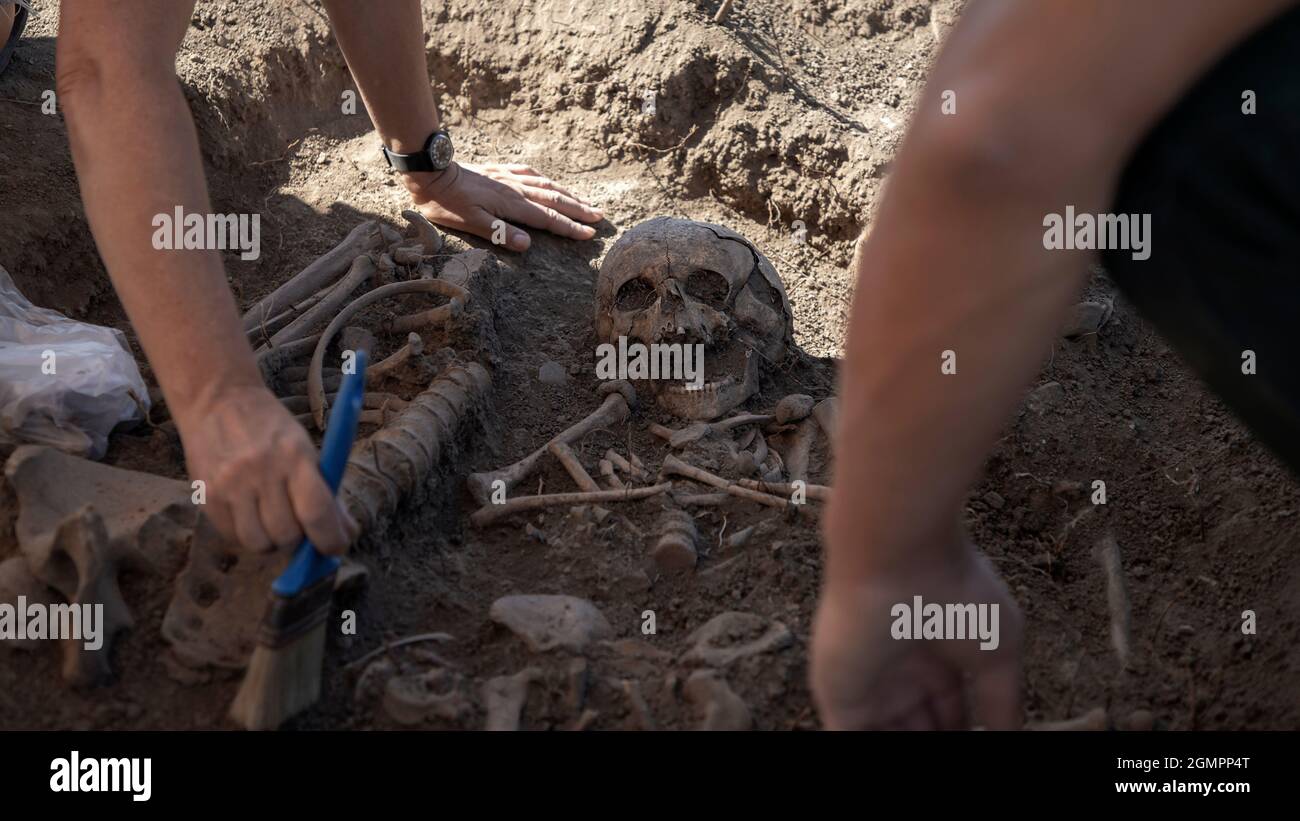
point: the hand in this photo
(264, 487)
(863, 678)
(470, 198)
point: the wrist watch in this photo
(435, 156)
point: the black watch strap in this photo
(435, 156)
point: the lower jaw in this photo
(709, 401)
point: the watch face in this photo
(440, 151)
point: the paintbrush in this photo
(284, 674)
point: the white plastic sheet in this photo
(63, 383)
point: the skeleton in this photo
(672, 281)
(212, 619)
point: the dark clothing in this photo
(1223, 191)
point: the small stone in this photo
(534, 534)
(718, 704)
(1087, 318)
(547, 622)
(552, 373)
(1044, 397)
(994, 500)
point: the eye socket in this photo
(763, 290)
(634, 295)
(708, 287)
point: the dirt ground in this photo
(779, 124)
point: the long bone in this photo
(693, 433)
(676, 467)
(612, 411)
(489, 513)
(362, 270)
(821, 493)
(315, 389)
(366, 237)
(569, 459)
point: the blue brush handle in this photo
(308, 566)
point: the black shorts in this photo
(1223, 191)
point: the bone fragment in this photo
(675, 550)
(1107, 553)
(326, 269)
(676, 467)
(419, 227)
(316, 391)
(569, 459)
(612, 411)
(611, 478)
(363, 268)
(821, 493)
(414, 347)
(490, 513)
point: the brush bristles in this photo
(281, 682)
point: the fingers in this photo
(547, 218)
(317, 510)
(563, 202)
(481, 223)
(248, 523)
(278, 519)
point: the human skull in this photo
(679, 281)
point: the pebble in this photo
(546, 622)
(1044, 397)
(553, 373)
(1087, 318)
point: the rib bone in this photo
(328, 268)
